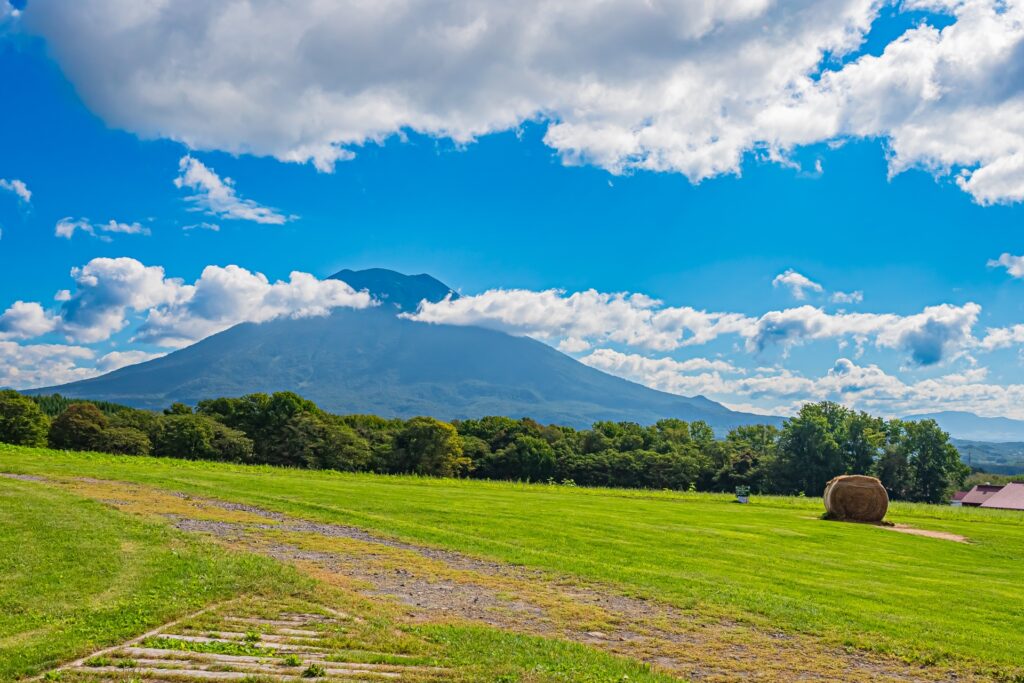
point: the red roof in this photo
(959, 495)
(980, 493)
(1010, 497)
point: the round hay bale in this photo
(857, 498)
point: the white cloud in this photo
(212, 227)
(217, 196)
(112, 293)
(25, 320)
(573, 345)
(1014, 264)
(781, 391)
(687, 87)
(584, 317)
(797, 284)
(1002, 337)
(125, 228)
(936, 334)
(16, 186)
(66, 228)
(999, 182)
(119, 359)
(223, 297)
(855, 297)
(688, 377)
(107, 290)
(37, 365)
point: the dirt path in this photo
(436, 585)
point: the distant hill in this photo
(970, 427)
(371, 361)
(997, 458)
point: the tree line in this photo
(914, 460)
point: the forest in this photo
(914, 460)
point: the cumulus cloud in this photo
(855, 297)
(1014, 264)
(107, 290)
(1002, 337)
(36, 365)
(671, 86)
(935, 334)
(226, 296)
(25, 320)
(687, 377)
(16, 186)
(782, 391)
(582, 317)
(797, 284)
(577, 320)
(119, 359)
(67, 227)
(112, 293)
(217, 196)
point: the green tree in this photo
(78, 428)
(230, 445)
(143, 420)
(751, 458)
(123, 441)
(428, 446)
(22, 422)
(324, 442)
(185, 436)
(701, 432)
(178, 408)
(267, 421)
(527, 458)
(809, 454)
(893, 468)
(863, 437)
(934, 462)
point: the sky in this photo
(765, 203)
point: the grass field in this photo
(77, 576)
(772, 563)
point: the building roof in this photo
(980, 493)
(959, 495)
(1010, 497)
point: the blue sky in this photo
(490, 200)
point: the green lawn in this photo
(76, 576)
(773, 560)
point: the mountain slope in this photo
(370, 361)
(971, 427)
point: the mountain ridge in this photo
(967, 426)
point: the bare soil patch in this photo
(942, 535)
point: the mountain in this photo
(371, 361)
(996, 458)
(403, 292)
(970, 427)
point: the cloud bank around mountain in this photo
(121, 311)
